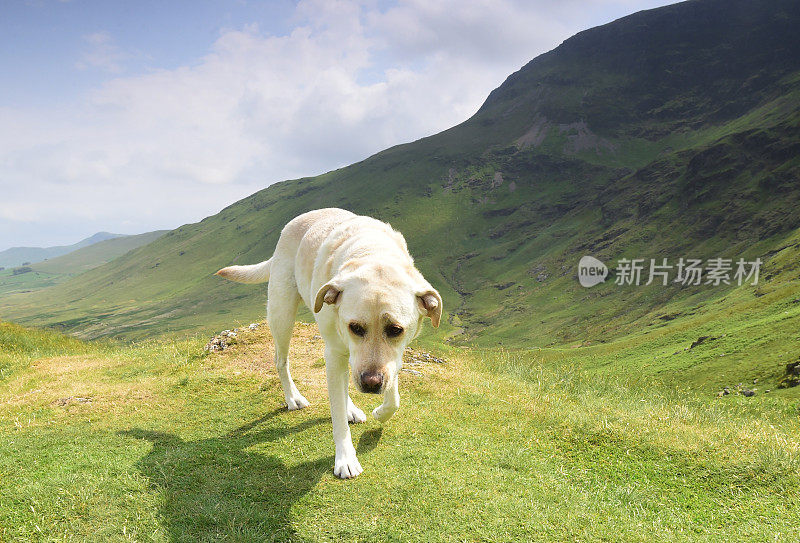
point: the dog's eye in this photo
(357, 329)
(394, 330)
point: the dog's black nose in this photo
(371, 381)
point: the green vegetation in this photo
(57, 270)
(155, 441)
(23, 256)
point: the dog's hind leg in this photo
(282, 303)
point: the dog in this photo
(369, 301)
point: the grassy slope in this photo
(59, 269)
(16, 256)
(491, 446)
(89, 257)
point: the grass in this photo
(56, 270)
(27, 282)
(155, 441)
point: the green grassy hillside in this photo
(17, 256)
(92, 256)
(157, 441)
(670, 133)
(57, 270)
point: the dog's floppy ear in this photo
(328, 294)
(430, 303)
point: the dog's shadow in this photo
(219, 489)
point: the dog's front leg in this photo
(337, 370)
(391, 401)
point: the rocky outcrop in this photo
(225, 339)
(792, 376)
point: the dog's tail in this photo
(257, 273)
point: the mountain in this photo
(17, 256)
(96, 253)
(57, 270)
(671, 133)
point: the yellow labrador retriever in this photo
(368, 300)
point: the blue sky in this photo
(134, 116)
(42, 41)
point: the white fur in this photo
(347, 269)
(257, 273)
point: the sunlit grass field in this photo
(158, 441)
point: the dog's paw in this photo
(346, 465)
(296, 402)
(382, 414)
(354, 414)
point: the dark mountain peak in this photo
(692, 62)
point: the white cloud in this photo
(102, 53)
(350, 79)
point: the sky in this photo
(130, 117)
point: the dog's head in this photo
(379, 310)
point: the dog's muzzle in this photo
(371, 381)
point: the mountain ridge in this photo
(58, 269)
(17, 256)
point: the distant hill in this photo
(56, 270)
(669, 133)
(17, 256)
